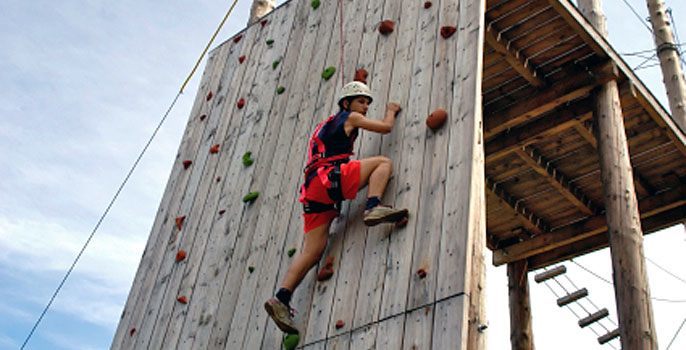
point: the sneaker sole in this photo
(393, 217)
(282, 325)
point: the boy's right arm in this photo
(381, 126)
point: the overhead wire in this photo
(124, 182)
(675, 334)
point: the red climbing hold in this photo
(209, 96)
(214, 149)
(264, 22)
(187, 163)
(240, 103)
(237, 38)
(221, 212)
(180, 255)
(132, 332)
(179, 221)
(241, 59)
(427, 4)
(421, 273)
(361, 75)
(202, 117)
(182, 299)
(340, 324)
(447, 31)
(327, 271)
(386, 27)
(436, 119)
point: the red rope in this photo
(340, 6)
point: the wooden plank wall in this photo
(237, 252)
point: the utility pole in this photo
(636, 325)
(668, 53)
(259, 9)
(521, 334)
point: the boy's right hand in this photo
(393, 107)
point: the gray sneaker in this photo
(382, 213)
(281, 314)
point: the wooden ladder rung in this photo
(546, 275)
(609, 336)
(570, 298)
(598, 315)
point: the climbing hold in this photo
(214, 149)
(340, 324)
(386, 27)
(237, 38)
(241, 59)
(264, 22)
(187, 163)
(179, 221)
(447, 31)
(251, 197)
(219, 178)
(421, 273)
(180, 255)
(361, 75)
(132, 332)
(436, 119)
(427, 4)
(315, 4)
(209, 96)
(280, 90)
(240, 103)
(251, 269)
(328, 72)
(221, 212)
(276, 63)
(327, 271)
(247, 160)
(291, 252)
(202, 117)
(290, 341)
(182, 299)
(402, 222)
(270, 42)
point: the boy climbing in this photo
(330, 178)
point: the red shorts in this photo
(316, 191)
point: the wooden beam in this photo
(517, 61)
(558, 180)
(558, 120)
(592, 226)
(577, 86)
(521, 334)
(529, 220)
(651, 224)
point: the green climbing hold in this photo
(276, 63)
(291, 252)
(290, 341)
(270, 42)
(251, 269)
(247, 160)
(328, 72)
(251, 197)
(315, 4)
(280, 90)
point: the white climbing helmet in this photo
(354, 89)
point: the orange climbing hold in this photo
(327, 271)
(179, 221)
(436, 119)
(447, 31)
(361, 75)
(237, 38)
(209, 96)
(340, 324)
(187, 163)
(241, 59)
(421, 273)
(214, 149)
(427, 4)
(180, 255)
(386, 27)
(240, 103)
(182, 299)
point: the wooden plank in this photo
(520, 63)
(530, 220)
(418, 328)
(586, 228)
(572, 297)
(544, 276)
(341, 342)
(155, 284)
(364, 338)
(450, 324)
(389, 333)
(608, 336)
(155, 245)
(594, 317)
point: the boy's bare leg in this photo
(315, 243)
(375, 171)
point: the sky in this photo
(84, 83)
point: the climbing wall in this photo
(216, 253)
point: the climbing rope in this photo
(124, 182)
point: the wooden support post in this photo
(521, 335)
(259, 9)
(667, 51)
(624, 225)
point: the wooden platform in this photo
(542, 62)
